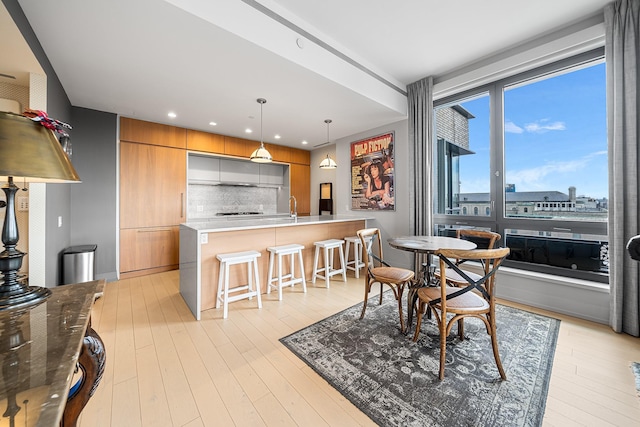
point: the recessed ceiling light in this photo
(172, 115)
(277, 137)
(213, 123)
(304, 142)
(247, 130)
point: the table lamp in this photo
(29, 152)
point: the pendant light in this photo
(328, 163)
(261, 154)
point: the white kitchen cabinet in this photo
(272, 174)
(239, 172)
(203, 169)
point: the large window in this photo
(527, 157)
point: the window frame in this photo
(498, 221)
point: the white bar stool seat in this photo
(289, 279)
(356, 264)
(252, 288)
(327, 247)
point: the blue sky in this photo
(555, 136)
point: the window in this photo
(529, 155)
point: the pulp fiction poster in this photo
(372, 167)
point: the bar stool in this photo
(280, 279)
(357, 263)
(327, 247)
(226, 260)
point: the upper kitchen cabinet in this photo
(239, 147)
(205, 141)
(152, 185)
(272, 174)
(302, 157)
(279, 153)
(239, 172)
(133, 130)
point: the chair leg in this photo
(420, 309)
(381, 289)
(461, 329)
(443, 345)
(367, 288)
(402, 326)
(496, 353)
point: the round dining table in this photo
(423, 247)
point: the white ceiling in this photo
(208, 60)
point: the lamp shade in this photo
(328, 163)
(261, 155)
(31, 152)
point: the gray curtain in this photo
(420, 99)
(622, 47)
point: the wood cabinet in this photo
(152, 185)
(300, 176)
(153, 174)
(133, 130)
(302, 157)
(239, 147)
(279, 153)
(151, 248)
(204, 141)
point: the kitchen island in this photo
(200, 242)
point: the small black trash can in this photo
(78, 264)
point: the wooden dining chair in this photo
(476, 299)
(379, 271)
(483, 240)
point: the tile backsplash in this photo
(205, 201)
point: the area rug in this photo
(635, 367)
(395, 381)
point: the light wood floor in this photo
(166, 369)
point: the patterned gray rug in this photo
(395, 381)
(635, 367)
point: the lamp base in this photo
(26, 295)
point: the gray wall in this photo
(94, 201)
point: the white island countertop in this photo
(252, 222)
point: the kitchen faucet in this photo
(294, 213)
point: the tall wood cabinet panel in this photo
(152, 185)
(300, 176)
(204, 141)
(152, 205)
(133, 130)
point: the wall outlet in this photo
(204, 238)
(59, 221)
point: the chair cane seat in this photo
(392, 274)
(467, 302)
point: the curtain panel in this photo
(622, 48)
(420, 100)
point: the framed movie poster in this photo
(372, 183)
